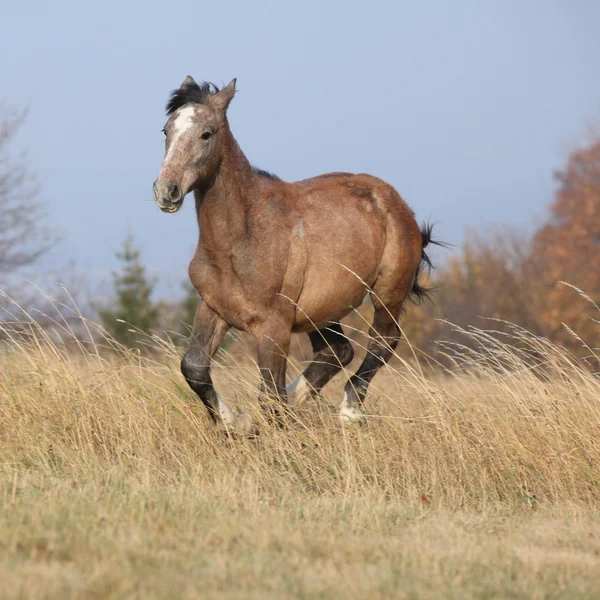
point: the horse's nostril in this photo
(174, 192)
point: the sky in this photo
(466, 108)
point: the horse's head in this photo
(197, 113)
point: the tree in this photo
(517, 278)
(24, 237)
(134, 309)
(485, 278)
(187, 309)
(567, 249)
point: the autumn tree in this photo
(515, 277)
(567, 249)
(481, 284)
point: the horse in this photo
(276, 258)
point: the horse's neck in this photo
(224, 206)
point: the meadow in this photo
(478, 479)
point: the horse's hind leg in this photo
(385, 334)
(331, 352)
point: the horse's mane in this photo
(264, 174)
(191, 92)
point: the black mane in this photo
(263, 173)
(192, 92)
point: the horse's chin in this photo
(171, 209)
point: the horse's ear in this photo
(221, 99)
(189, 80)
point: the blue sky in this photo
(466, 107)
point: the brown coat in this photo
(276, 257)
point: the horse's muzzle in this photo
(169, 196)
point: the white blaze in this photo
(183, 122)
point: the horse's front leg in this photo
(208, 332)
(273, 346)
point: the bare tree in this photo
(24, 235)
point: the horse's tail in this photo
(418, 291)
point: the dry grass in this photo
(479, 482)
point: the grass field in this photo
(482, 481)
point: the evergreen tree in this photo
(187, 309)
(132, 302)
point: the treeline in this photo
(494, 278)
(547, 282)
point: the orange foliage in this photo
(514, 277)
(567, 248)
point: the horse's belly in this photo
(328, 305)
(336, 281)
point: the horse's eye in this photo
(206, 135)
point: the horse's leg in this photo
(208, 332)
(273, 344)
(384, 338)
(331, 352)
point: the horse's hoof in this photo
(298, 391)
(245, 426)
(239, 426)
(351, 418)
(236, 423)
(350, 413)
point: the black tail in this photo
(418, 291)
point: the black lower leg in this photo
(208, 332)
(195, 366)
(332, 351)
(384, 339)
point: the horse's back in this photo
(359, 198)
(361, 185)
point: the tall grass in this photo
(483, 475)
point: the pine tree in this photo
(187, 309)
(132, 302)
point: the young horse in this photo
(276, 257)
